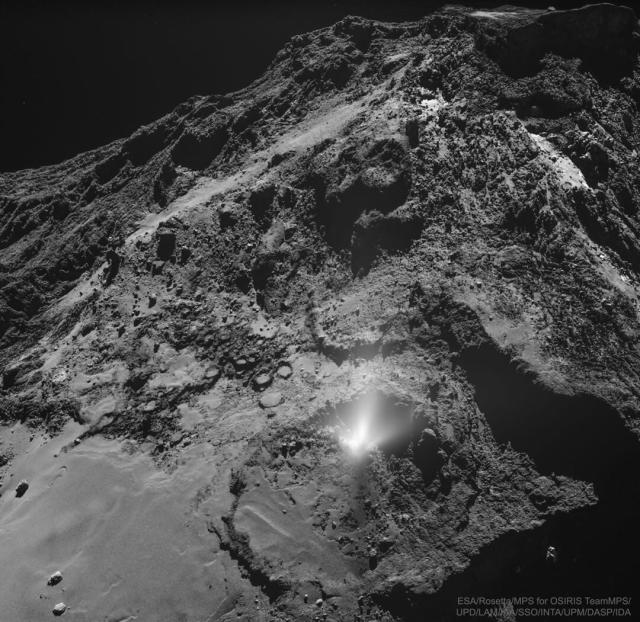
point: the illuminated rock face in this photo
(398, 363)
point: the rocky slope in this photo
(347, 344)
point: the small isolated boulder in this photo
(59, 609)
(55, 578)
(262, 381)
(21, 488)
(284, 371)
(271, 399)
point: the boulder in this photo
(55, 578)
(271, 399)
(59, 609)
(262, 381)
(21, 488)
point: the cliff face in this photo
(375, 319)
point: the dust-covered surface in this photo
(348, 344)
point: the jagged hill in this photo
(375, 316)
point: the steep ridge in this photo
(367, 329)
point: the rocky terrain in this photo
(348, 344)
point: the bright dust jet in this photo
(375, 420)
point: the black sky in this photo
(75, 75)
